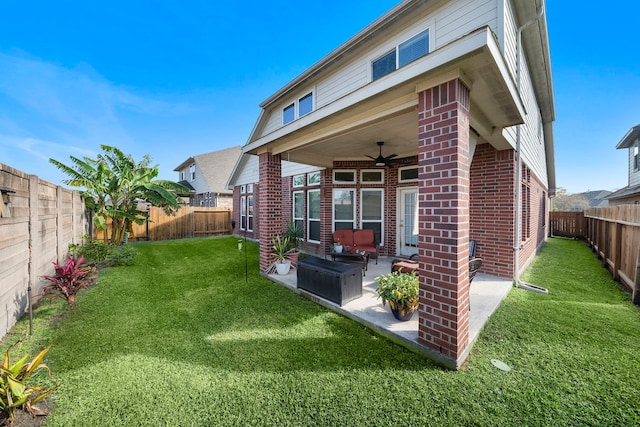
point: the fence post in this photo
(34, 242)
(636, 285)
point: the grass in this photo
(183, 337)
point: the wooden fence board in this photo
(188, 222)
(614, 234)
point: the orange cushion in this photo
(345, 237)
(363, 237)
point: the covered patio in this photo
(485, 296)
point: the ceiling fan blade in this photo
(391, 156)
(371, 157)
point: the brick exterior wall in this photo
(492, 198)
(443, 159)
(269, 210)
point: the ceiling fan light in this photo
(380, 163)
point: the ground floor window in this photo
(243, 213)
(372, 211)
(250, 213)
(344, 209)
(313, 216)
(298, 209)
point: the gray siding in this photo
(532, 138)
(634, 175)
(447, 23)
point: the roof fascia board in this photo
(630, 138)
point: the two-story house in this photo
(433, 126)
(206, 175)
(631, 193)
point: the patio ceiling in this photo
(387, 109)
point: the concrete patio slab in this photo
(485, 296)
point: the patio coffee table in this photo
(361, 257)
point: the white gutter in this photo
(516, 244)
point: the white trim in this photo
(333, 207)
(399, 219)
(249, 212)
(319, 173)
(380, 181)
(381, 220)
(315, 190)
(293, 180)
(355, 176)
(400, 180)
(243, 211)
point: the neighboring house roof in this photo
(186, 184)
(630, 138)
(216, 167)
(625, 192)
(598, 198)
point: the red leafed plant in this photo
(70, 278)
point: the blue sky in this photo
(174, 79)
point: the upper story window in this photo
(636, 160)
(406, 52)
(192, 172)
(288, 114)
(304, 106)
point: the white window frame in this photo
(300, 180)
(295, 218)
(309, 219)
(380, 171)
(333, 207)
(289, 105)
(296, 107)
(353, 171)
(381, 220)
(396, 49)
(243, 189)
(311, 174)
(407, 180)
(250, 212)
(249, 188)
(243, 212)
(192, 171)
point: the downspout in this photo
(516, 245)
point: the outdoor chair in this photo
(474, 266)
(409, 265)
(405, 265)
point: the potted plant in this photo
(401, 291)
(281, 249)
(294, 233)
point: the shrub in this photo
(102, 254)
(70, 278)
(14, 390)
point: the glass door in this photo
(408, 222)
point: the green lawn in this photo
(183, 338)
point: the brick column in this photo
(270, 207)
(443, 160)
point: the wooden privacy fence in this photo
(188, 222)
(568, 224)
(38, 220)
(614, 234)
